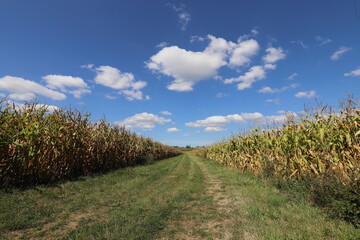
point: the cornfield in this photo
(319, 143)
(38, 146)
(322, 148)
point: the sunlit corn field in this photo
(42, 146)
(322, 147)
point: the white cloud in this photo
(183, 16)
(22, 96)
(322, 40)
(162, 45)
(172, 130)
(274, 54)
(214, 129)
(166, 113)
(215, 121)
(309, 94)
(87, 66)
(132, 94)
(267, 90)
(274, 100)
(272, 90)
(353, 73)
(293, 76)
(251, 116)
(144, 121)
(188, 67)
(22, 89)
(337, 54)
(65, 83)
(114, 78)
(301, 43)
(108, 96)
(255, 73)
(195, 38)
(186, 134)
(270, 66)
(253, 33)
(218, 121)
(221, 95)
(277, 90)
(243, 51)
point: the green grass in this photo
(266, 213)
(177, 198)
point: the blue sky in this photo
(181, 72)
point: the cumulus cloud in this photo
(132, 94)
(270, 66)
(68, 84)
(166, 113)
(309, 94)
(274, 54)
(214, 129)
(277, 90)
(246, 80)
(144, 121)
(172, 130)
(22, 89)
(183, 16)
(113, 78)
(256, 73)
(188, 67)
(243, 51)
(218, 121)
(322, 41)
(353, 73)
(337, 54)
(272, 90)
(125, 82)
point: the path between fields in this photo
(184, 197)
(211, 221)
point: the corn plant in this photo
(321, 143)
(38, 146)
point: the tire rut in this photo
(206, 217)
